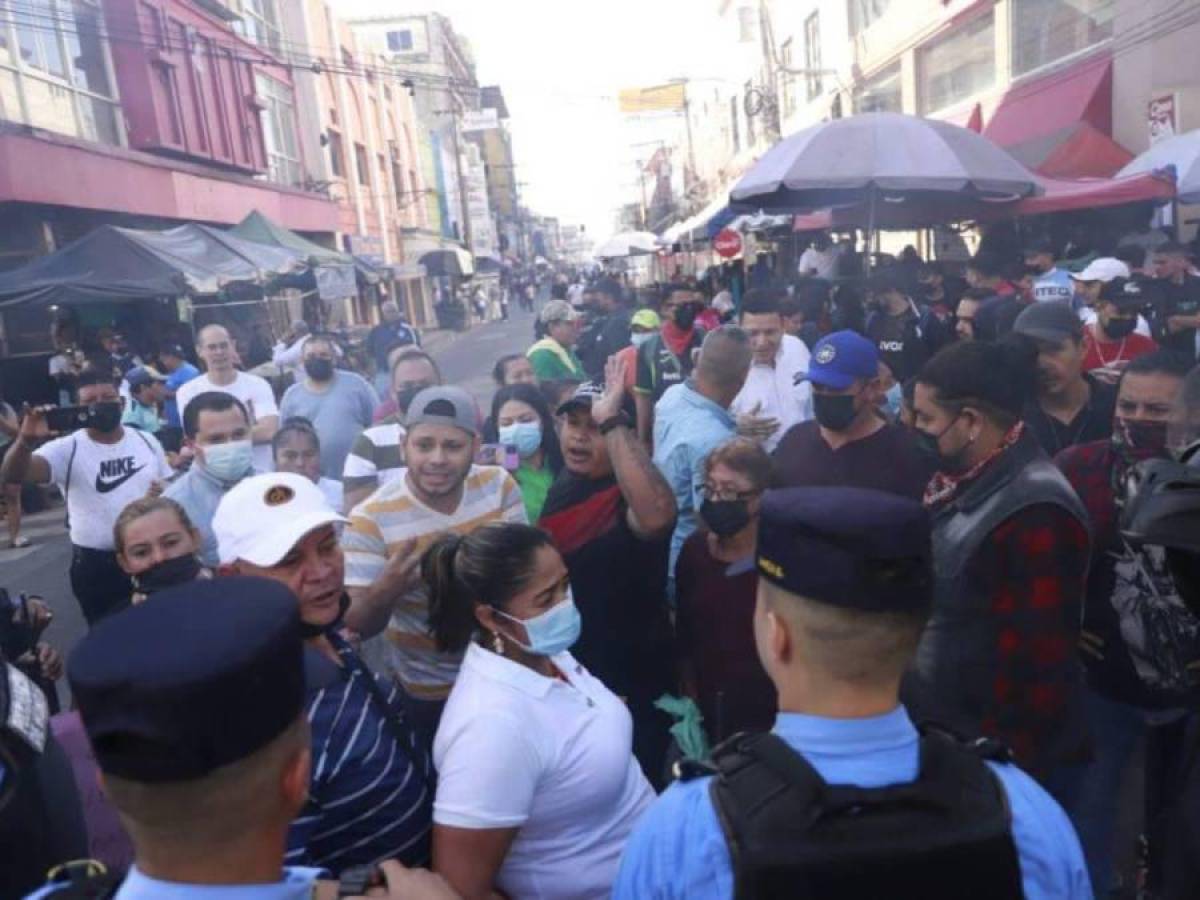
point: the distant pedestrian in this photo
(179, 372)
(553, 357)
(215, 347)
(339, 404)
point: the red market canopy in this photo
(1064, 195)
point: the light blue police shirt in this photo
(296, 884)
(687, 427)
(678, 849)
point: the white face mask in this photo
(230, 461)
(638, 339)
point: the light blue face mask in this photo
(525, 436)
(893, 398)
(229, 462)
(552, 632)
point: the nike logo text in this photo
(115, 472)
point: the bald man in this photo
(215, 348)
(693, 418)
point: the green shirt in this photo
(144, 418)
(535, 484)
(551, 361)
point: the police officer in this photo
(203, 745)
(846, 797)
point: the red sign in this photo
(727, 243)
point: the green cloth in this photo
(535, 484)
(144, 418)
(551, 361)
(688, 729)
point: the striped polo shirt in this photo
(390, 517)
(370, 794)
(376, 457)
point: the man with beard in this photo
(1071, 406)
(611, 513)
(849, 444)
(377, 456)
(98, 469)
(339, 404)
(441, 490)
(667, 359)
(1140, 643)
(370, 794)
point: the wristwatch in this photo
(355, 880)
(620, 420)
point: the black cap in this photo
(199, 677)
(847, 547)
(1039, 245)
(583, 398)
(1049, 320)
(1124, 293)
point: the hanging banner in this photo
(661, 98)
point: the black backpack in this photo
(945, 836)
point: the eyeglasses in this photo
(712, 492)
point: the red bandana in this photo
(944, 485)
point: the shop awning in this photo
(334, 273)
(1063, 195)
(1060, 125)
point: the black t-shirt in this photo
(1093, 423)
(619, 583)
(1172, 299)
(887, 460)
(602, 339)
(900, 342)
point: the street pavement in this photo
(466, 359)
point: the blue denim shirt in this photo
(678, 849)
(687, 427)
(199, 493)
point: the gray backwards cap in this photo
(443, 405)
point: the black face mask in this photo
(927, 445)
(405, 397)
(1120, 328)
(168, 573)
(725, 518)
(319, 369)
(312, 631)
(684, 316)
(834, 411)
(103, 417)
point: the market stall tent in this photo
(334, 272)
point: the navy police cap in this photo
(848, 547)
(197, 678)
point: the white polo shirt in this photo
(518, 750)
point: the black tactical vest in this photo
(945, 836)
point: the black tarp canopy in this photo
(112, 263)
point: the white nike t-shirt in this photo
(105, 478)
(256, 395)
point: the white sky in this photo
(560, 64)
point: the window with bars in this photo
(55, 53)
(812, 56)
(279, 130)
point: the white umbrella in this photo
(1181, 153)
(934, 167)
(628, 243)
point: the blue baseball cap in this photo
(840, 359)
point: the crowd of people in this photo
(858, 536)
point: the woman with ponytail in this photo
(538, 789)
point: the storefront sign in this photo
(1163, 115)
(479, 120)
(727, 243)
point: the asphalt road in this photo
(465, 359)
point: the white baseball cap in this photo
(1103, 268)
(263, 517)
